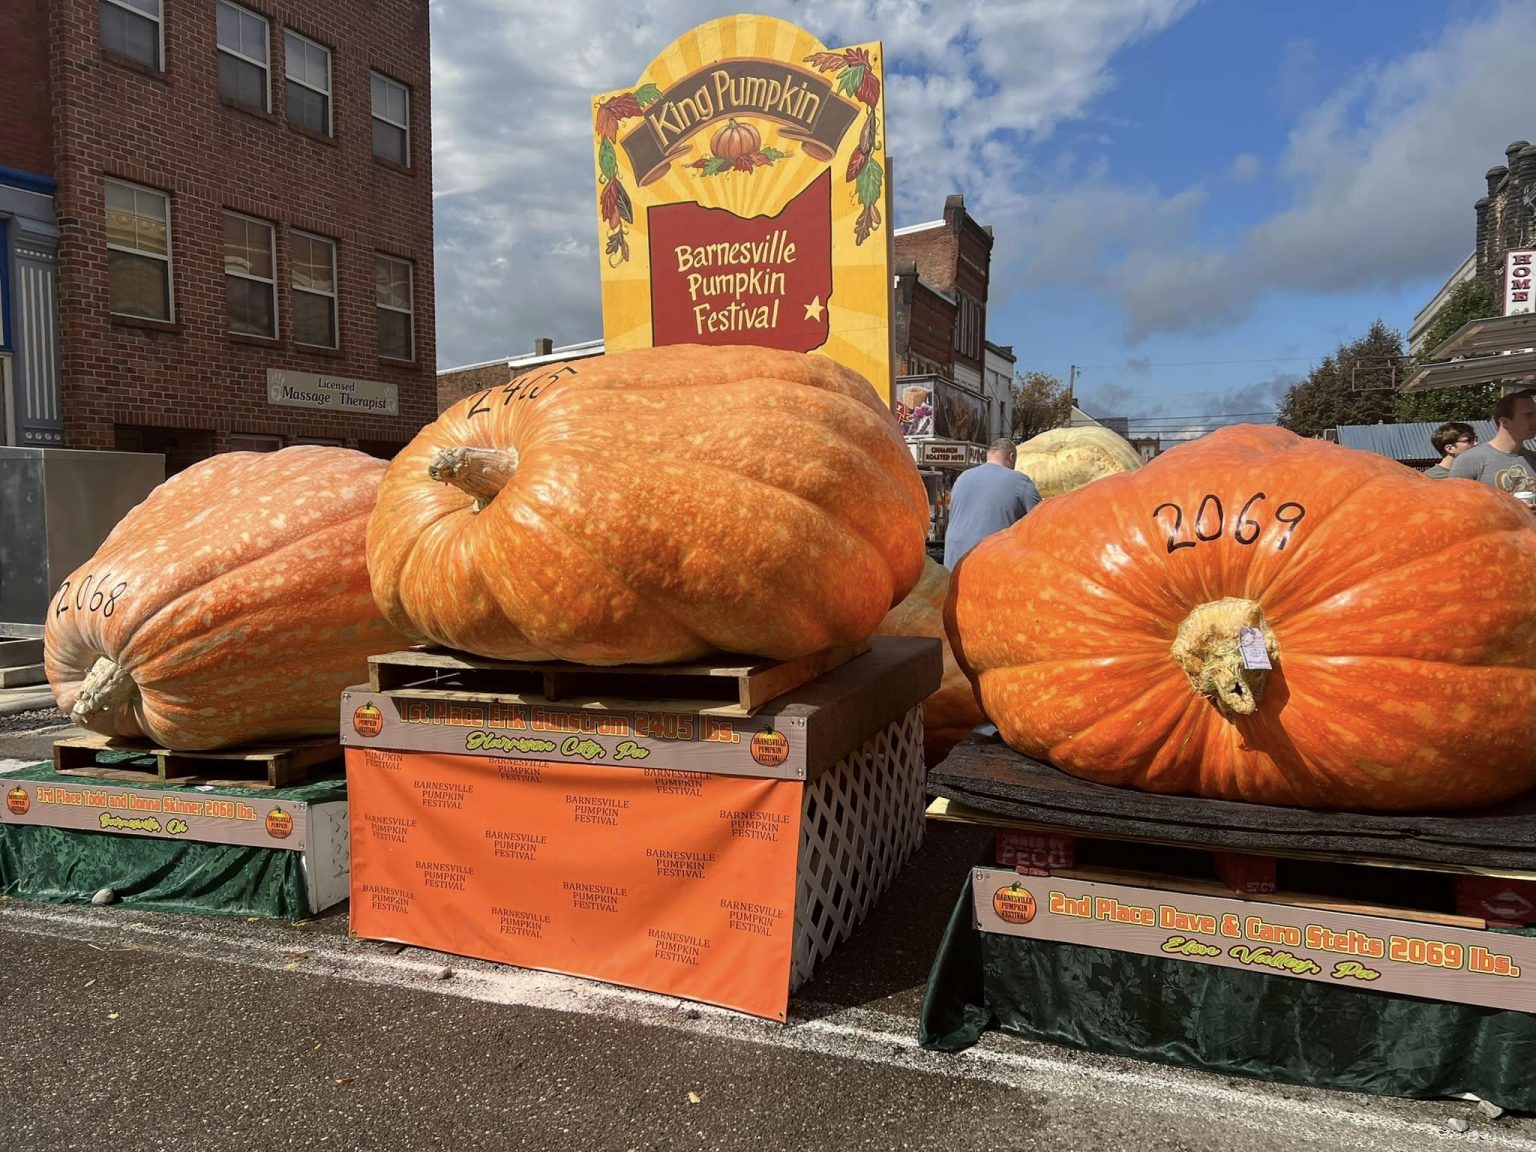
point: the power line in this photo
(1139, 366)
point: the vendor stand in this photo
(1301, 946)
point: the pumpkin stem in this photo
(481, 472)
(1208, 648)
(105, 689)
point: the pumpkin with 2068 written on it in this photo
(653, 506)
(1106, 629)
(951, 712)
(1062, 460)
(231, 606)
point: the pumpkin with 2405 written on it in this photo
(231, 606)
(950, 712)
(1122, 631)
(1062, 460)
(653, 506)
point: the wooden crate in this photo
(275, 766)
(736, 685)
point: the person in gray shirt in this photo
(986, 499)
(1515, 416)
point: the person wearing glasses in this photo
(1450, 440)
(1505, 455)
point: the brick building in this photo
(215, 224)
(1506, 217)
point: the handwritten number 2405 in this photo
(525, 387)
(1210, 522)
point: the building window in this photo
(250, 285)
(138, 251)
(251, 442)
(391, 120)
(314, 290)
(309, 83)
(968, 328)
(242, 57)
(393, 300)
(132, 28)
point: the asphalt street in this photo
(137, 1030)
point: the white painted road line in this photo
(845, 1033)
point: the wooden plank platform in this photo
(275, 766)
(987, 776)
(739, 684)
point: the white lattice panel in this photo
(860, 823)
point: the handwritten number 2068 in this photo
(1210, 522)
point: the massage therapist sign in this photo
(742, 197)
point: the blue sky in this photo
(1195, 201)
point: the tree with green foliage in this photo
(1355, 385)
(1040, 402)
(1471, 300)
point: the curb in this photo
(14, 701)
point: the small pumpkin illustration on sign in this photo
(1014, 903)
(279, 824)
(368, 720)
(769, 747)
(737, 147)
(18, 801)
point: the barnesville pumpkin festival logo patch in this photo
(769, 747)
(368, 721)
(18, 801)
(1014, 903)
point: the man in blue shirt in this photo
(986, 499)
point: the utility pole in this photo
(1072, 385)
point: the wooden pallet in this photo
(1454, 894)
(250, 767)
(742, 683)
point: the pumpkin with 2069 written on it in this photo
(231, 606)
(653, 506)
(1121, 631)
(1062, 460)
(951, 712)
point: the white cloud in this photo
(1245, 166)
(1384, 173)
(970, 85)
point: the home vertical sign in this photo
(742, 197)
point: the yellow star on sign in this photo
(813, 310)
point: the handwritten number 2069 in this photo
(1210, 522)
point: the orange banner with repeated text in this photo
(675, 882)
(743, 197)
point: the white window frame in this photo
(410, 313)
(334, 294)
(265, 65)
(167, 258)
(330, 99)
(158, 20)
(376, 115)
(271, 284)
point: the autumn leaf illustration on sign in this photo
(856, 77)
(613, 203)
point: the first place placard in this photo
(742, 197)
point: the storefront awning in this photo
(1493, 334)
(1474, 370)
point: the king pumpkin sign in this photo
(742, 197)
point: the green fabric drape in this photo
(1221, 1020)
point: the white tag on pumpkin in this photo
(1250, 645)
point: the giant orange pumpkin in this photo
(231, 606)
(1104, 629)
(653, 506)
(951, 712)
